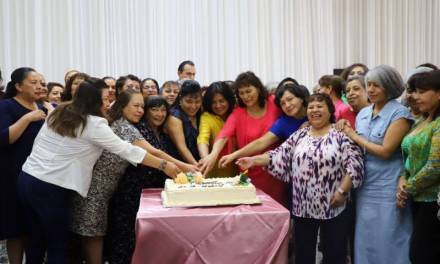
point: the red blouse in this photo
(246, 129)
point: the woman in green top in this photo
(421, 179)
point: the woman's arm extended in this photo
(255, 146)
(174, 127)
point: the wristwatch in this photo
(162, 165)
(342, 192)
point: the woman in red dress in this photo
(254, 116)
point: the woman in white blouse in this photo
(62, 159)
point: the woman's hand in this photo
(226, 160)
(337, 199)
(349, 131)
(186, 167)
(171, 170)
(401, 195)
(245, 163)
(305, 124)
(35, 115)
(49, 107)
(207, 163)
(341, 124)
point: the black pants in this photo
(334, 233)
(425, 239)
(47, 215)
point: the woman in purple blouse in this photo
(323, 164)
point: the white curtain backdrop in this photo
(303, 39)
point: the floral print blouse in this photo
(422, 164)
(316, 166)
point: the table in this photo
(226, 234)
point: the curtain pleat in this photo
(303, 39)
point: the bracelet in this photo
(342, 192)
(163, 164)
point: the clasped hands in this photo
(344, 126)
(401, 195)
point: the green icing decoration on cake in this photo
(244, 179)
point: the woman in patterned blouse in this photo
(323, 165)
(421, 177)
(120, 240)
(89, 214)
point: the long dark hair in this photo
(247, 79)
(218, 88)
(297, 90)
(153, 80)
(71, 117)
(121, 81)
(286, 80)
(67, 93)
(189, 88)
(17, 77)
(427, 81)
(121, 102)
(156, 101)
(51, 85)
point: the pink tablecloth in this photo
(227, 234)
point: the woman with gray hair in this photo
(382, 230)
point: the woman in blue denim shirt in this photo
(382, 230)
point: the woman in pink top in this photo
(333, 85)
(251, 120)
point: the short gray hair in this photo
(388, 78)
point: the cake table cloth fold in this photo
(224, 234)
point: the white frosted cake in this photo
(208, 192)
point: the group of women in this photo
(338, 167)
